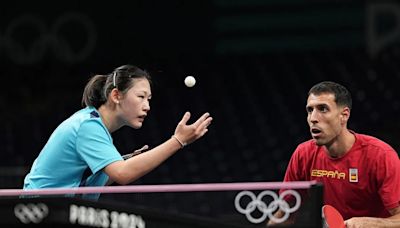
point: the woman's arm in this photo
(125, 172)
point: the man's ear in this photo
(345, 115)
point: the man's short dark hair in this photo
(342, 95)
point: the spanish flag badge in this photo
(353, 175)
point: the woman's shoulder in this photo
(87, 118)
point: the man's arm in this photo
(395, 213)
(280, 214)
(393, 221)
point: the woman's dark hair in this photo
(99, 86)
(342, 95)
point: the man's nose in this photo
(313, 116)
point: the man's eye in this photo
(323, 109)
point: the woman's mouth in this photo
(141, 118)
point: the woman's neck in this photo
(108, 117)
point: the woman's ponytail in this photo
(93, 95)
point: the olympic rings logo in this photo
(267, 210)
(27, 38)
(28, 213)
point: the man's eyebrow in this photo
(322, 106)
(317, 105)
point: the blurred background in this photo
(254, 62)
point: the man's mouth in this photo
(315, 132)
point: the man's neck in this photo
(341, 145)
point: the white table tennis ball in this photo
(190, 81)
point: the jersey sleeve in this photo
(294, 170)
(388, 175)
(95, 146)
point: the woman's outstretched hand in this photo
(187, 134)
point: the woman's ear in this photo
(115, 96)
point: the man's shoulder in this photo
(367, 140)
(373, 143)
(308, 146)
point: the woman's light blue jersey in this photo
(80, 142)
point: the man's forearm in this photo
(280, 214)
(356, 222)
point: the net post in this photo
(317, 201)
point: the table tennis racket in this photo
(136, 152)
(332, 218)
